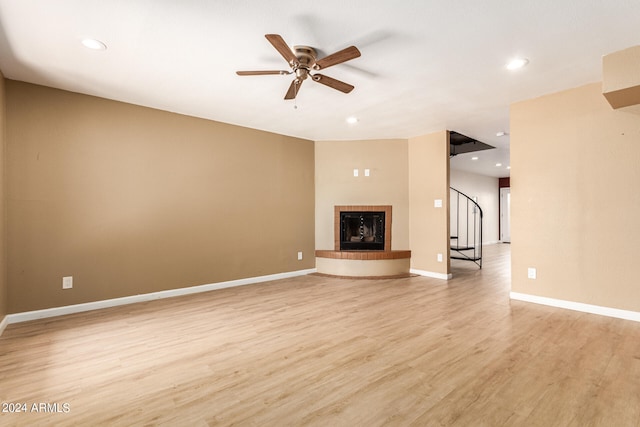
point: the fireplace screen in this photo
(362, 231)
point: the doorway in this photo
(505, 215)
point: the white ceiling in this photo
(425, 65)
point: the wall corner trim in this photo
(96, 305)
(424, 273)
(3, 324)
(577, 306)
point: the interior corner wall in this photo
(487, 191)
(130, 200)
(3, 258)
(429, 181)
(387, 184)
(575, 205)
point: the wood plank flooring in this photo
(324, 351)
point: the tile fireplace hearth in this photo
(362, 244)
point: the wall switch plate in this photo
(67, 282)
(532, 273)
(355, 172)
(437, 203)
(299, 256)
(367, 172)
(439, 257)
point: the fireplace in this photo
(362, 245)
(362, 231)
(362, 228)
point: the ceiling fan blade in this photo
(333, 83)
(262, 73)
(339, 57)
(294, 88)
(282, 47)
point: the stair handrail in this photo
(477, 254)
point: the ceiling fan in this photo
(302, 59)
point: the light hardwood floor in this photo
(330, 352)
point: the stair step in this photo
(466, 258)
(462, 248)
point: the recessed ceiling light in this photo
(517, 63)
(508, 167)
(501, 133)
(352, 120)
(94, 44)
(474, 158)
(498, 164)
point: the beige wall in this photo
(575, 204)
(3, 258)
(387, 161)
(428, 181)
(131, 200)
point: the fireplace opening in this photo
(362, 231)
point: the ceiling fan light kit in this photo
(303, 59)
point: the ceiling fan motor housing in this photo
(306, 58)
(306, 55)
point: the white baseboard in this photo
(3, 324)
(96, 305)
(442, 276)
(578, 306)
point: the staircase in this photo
(466, 228)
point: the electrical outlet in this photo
(300, 256)
(67, 282)
(439, 257)
(532, 273)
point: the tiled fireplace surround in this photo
(373, 263)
